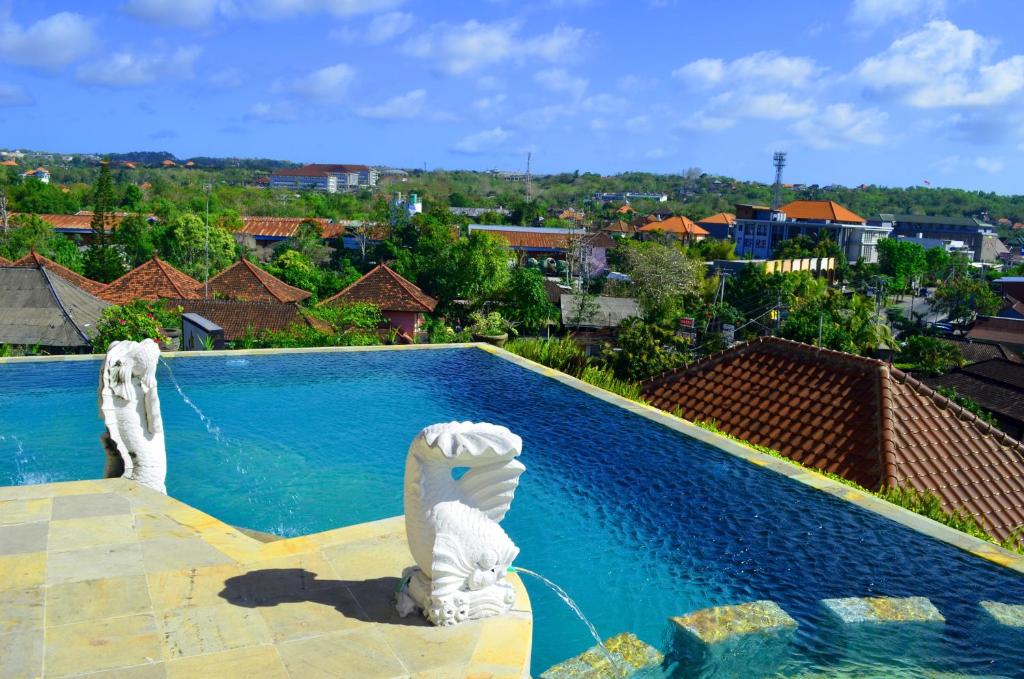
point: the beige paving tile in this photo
(210, 629)
(174, 554)
(344, 654)
(89, 504)
(68, 534)
(503, 641)
(190, 587)
(148, 671)
(24, 511)
(455, 671)
(251, 662)
(96, 599)
(426, 648)
(21, 538)
(369, 558)
(21, 654)
(376, 596)
(325, 610)
(21, 571)
(149, 525)
(101, 645)
(94, 563)
(21, 609)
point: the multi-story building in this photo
(324, 177)
(978, 235)
(759, 229)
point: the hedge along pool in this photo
(638, 522)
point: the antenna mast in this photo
(529, 181)
(780, 162)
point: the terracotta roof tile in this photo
(238, 318)
(856, 417)
(35, 259)
(547, 239)
(81, 220)
(727, 218)
(283, 227)
(154, 279)
(676, 225)
(820, 210)
(243, 280)
(387, 290)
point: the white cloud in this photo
(489, 103)
(559, 80)
(840, 125)
(703, 122)
(13, 95)
(277, 112)
(384, 27)
(638, 124)
(227, 78)
(778, 106)
(126, 69)
(409, 105)
(634, 84)
(481, 142)
(191, 14)
(274, 9)
(989, 165)
(760, 67)
(874, 13)
(326, 85)
(473, 45)
(942, 65)
(52, 42)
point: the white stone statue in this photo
(462, 555)
(130, 409)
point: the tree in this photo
(902, 261)
(134, 235)
(961, 297)
(843, 323)
(103, 262)
(309, 240)
(644, 350)
(474, 268)
(662, 278)
(186, 244)
(931, 355)
(526, 300)
(27, 233)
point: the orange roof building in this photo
(625, 209)
(243, 280)
(718, 225)
(679, 227)
(153, 279)
(399, 300)
(8, 163)
(33, 258)
(820, 211)
(168, 163)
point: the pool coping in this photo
(975, 546)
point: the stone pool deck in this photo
(109, 579)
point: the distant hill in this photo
(154, 158)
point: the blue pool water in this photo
(636, 521)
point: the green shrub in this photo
(606, 379)
(135, 321)
(967, 404)
(561, 354)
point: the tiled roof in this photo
(35, 259)
(82, 220)
(979, 350)
(996, 385)
(245, 281)
(387, 290)
(675, 225)
(8, 163)
(239, 317)
(995, 329)
(319, 169)
(721, 218)
(620, 227)
(820, 210)
(5, 262)
(856, 417)
(283, 227)
(154, 279)
(548, 239)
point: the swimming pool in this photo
(637, 521)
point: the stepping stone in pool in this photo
(630, 654)
(750, 639)
(1010, 615)
(857, 610)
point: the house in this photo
(759, 229)
(595, 320)
(262, 234)
(975, 351)
(242, 319)
(978, 235)
(34, 259)
(620, 228)
(40, 308)
(676, 228)
(627, 196)
(719, 225)
(168, 163)
(477, 212)
(8, 163)
(243, 280)
(1008, 331)
(996, 384)
(856, 417)
(626, 209)
(79, 225)
(40, 174)
(1011, 286)
(537, 242)
(153, 279)
(324, 177)
(401, 302)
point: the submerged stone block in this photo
(856, 610)
(748, 640)
(1011, 615)
(630, 654)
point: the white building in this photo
(324, 177)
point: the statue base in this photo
(453, 609)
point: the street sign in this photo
(686, 322)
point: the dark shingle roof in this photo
(856, 417)
(387, 290)
(995, 329)
(238, 318)
(154, 279)
(980, 350)
(39, 307)
(244, 280)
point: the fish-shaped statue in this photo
(462, 555)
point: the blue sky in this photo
(892, 92)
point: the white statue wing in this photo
(490, 488)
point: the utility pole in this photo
(821, 316)
(206, 277)
(529, 178)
